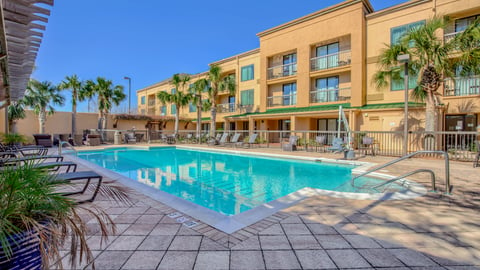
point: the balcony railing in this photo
(462, 86)
(285, 100)
(333, 60)
(330, 95)
(226, 107)
(151, 102)
(282, 71)
(450, 36)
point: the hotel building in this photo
(304, 69)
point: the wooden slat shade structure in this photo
(22, 23)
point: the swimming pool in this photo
(227, 183)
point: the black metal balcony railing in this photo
(226, 107)
(330, 95)
(333, 60)
(282, 71)
(285, 100)
(462, 86)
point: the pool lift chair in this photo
(338, 144)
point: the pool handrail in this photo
(447, 169)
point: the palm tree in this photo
(15, 111)
(40, 96)
(107, 95)
(431, 59)
(76, 86)
(179, 98)
(197, 90)
(218, 84)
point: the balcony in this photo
(462, 86)
(226, 108)
(282, 71)
(333, 60)
(285, 100)
(330, 95)
(151, 102)
(449, 36)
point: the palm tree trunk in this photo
(74, 119)
(100, 119)
(213, 122)
(430, 113)
(42, 119)
(11, 124)
(199, 121)
(177, 120)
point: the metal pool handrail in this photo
(60, 146)
(447, 169)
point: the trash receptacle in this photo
(117, 138)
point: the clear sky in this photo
(150, 40)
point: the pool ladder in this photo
(60, 147)
(448, 187)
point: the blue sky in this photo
(150, 40)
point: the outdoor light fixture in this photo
(404, 59)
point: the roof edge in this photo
(395, 8)
(240, 55)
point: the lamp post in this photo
(404, 59)
(129, 91)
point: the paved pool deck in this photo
(434, 231)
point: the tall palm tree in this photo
(179, 98)
(218, 83)
(431, 59)
(107, 95)
(15, 111)
(76, 86)
(40, 96)
(197, 90)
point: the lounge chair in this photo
(43, 139)
(234, 139)
(130, 138)
(337, 145)
(251, 141)
(223, 139)
(214, 141)
(88, 176)
(93, 139)
(320, 142)
(291, 145)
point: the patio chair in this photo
(367, 144)
(251, 141)
(291, 145)
(87, 176)
(234, 140)
(139, 137)
(337, 145)
(320, 142)
(477, 156)
(130, 138)
(43, 139)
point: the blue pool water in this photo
(226, 183)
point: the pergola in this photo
(22, 23)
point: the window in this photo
(397, 33)
(173, 109)
(289, 91)
(327, 89)
(246, 97)
(462, 24)
(399, 84)
(192, 107)
(247, 73)
(142, 100)
(163, 110)
(231, 103)
(289, 64)
(327, 56)
(172, 91)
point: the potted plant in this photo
(35, 219)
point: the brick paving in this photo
(435, 231)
